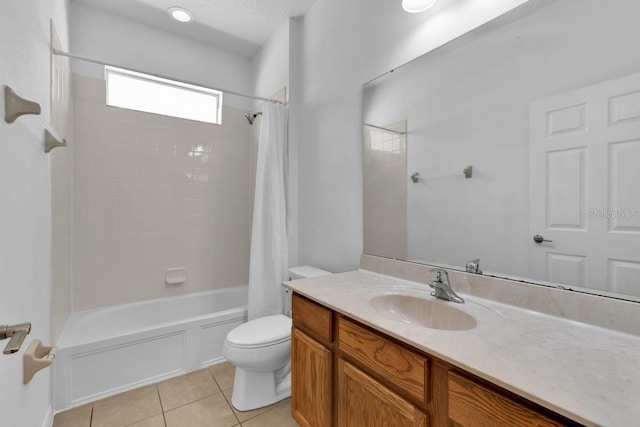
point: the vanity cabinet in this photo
(360, 377)
(311, 364)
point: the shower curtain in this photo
(269, 246)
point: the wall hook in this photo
(15, 106)
(468, 172)
(35, 358)
(414, 177)
(51, 141)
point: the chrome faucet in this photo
(473, 266)
(442, 288)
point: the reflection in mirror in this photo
(385, 190)
(544, 104)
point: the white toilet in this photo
(261, 352)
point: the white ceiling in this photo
(241, 26)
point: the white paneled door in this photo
(585, 187)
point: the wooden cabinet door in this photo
(364, 402)
(473, 405)
(311, 381)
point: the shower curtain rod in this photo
(95, 61)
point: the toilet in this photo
(261, 352)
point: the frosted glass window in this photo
(387, 141)
(143, 92)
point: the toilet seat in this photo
(262, 332)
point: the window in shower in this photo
(150, 94)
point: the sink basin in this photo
(429, 313)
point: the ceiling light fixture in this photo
(417, 6)
(180, 14)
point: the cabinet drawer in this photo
(396, 364)
(472, 404)
(313, 318)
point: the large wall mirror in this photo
(518, 144)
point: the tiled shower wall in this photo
(151, 193)
(385, 191)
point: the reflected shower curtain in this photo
(269, 245)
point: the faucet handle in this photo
(473, 266)
(439, 273)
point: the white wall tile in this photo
(153, 192)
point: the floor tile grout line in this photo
(272, 407)
(224, 396)
(197, 400)
(193, 401)
(233, 410)
(186, 403)
(164, 420)
(268, 409)
(275, 406)
(223, 390)
(214, 377)
(206, 397)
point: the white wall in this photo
(345, 44)
(111, 38)
(272, 71)
(270, 66)
(294, 93)
(61, 191)
(25, 217)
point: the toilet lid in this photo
(260, 332)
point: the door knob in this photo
(539, 239)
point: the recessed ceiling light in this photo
(417, 6)
(180, 14)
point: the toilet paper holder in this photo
(16, 333)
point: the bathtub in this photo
(109, 350)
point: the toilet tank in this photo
(301, 272)
(305, 272)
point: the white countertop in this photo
(586, 373)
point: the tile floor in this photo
(198, 399)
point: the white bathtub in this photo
(108, 350)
